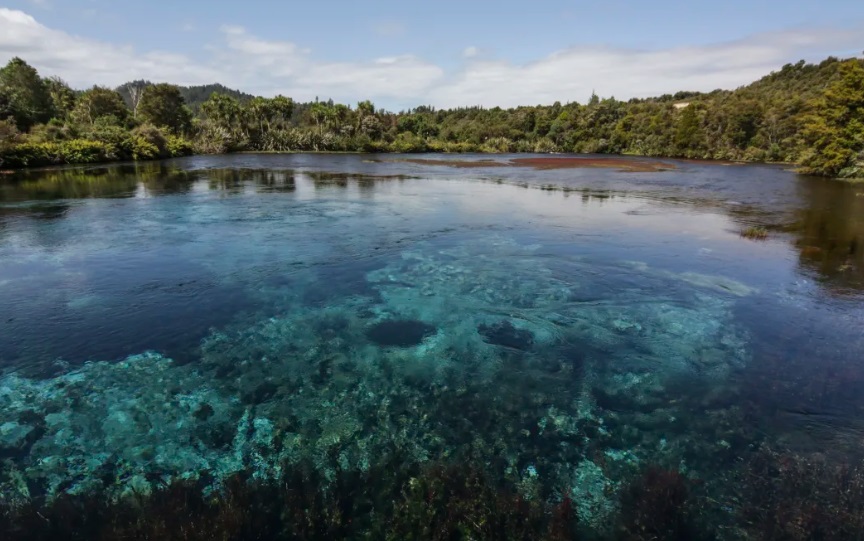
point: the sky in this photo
(401, 54)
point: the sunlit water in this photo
(562, 328)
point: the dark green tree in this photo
(835, 130)
(100, 102)
(27, 98)
(62, 97)
(162, 105)
(688, 132)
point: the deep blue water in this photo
(314, 300)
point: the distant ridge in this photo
(194, 95)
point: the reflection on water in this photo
(829, 232)
(580, 351)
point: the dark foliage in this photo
(438, 502)
(796, 497)
(658, 505)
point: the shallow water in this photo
(564, 328)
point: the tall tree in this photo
(26, 94)
(135, 91)
(163, 105)
(688, 133)
(835, 129)
(100, 102)
(62, 96)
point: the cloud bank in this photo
(240, 59)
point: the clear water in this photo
(562, 328)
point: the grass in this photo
(756, 232)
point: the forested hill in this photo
(194, 96)
(808, 114)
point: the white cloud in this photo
(572, 74)
(84, 62)
(470, 52)
(240, 59)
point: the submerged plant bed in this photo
(544, 163)
(621, 164)
(463, 164)
(395, 501)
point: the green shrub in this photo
(116, 137)
(30, 154)
(142, 149)
(178, 146)
(147, 137)
(81, 151)
(407, 143)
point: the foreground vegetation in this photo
(808, 114)
(780, 497)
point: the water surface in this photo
(563, 328)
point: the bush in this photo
(116, 137)
(496, 145)
(146, 138)
(178, 146)
(142, 149)
(53, 153)
(408, 143)
(50, 132)
(8, 134)
(80, 151)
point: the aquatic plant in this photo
(658, 504)
(399, 501)
(755, 233)
(800, 497)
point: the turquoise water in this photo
(560, 330)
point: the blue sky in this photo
(445, 53)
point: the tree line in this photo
(811, 115)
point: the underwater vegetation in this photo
(799, 497)
(546, 163)
(525, 425)
(779, 497)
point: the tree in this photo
(688, 134)
(282, 110)
(835, 129)
(27, 99)
(135, 91)
(319, 113)
(224, 125)
(222, 110)
(62, 96)
(162, 105)
(98, 103)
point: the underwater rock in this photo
(506, 335)
(593, 493)
(401, 333)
